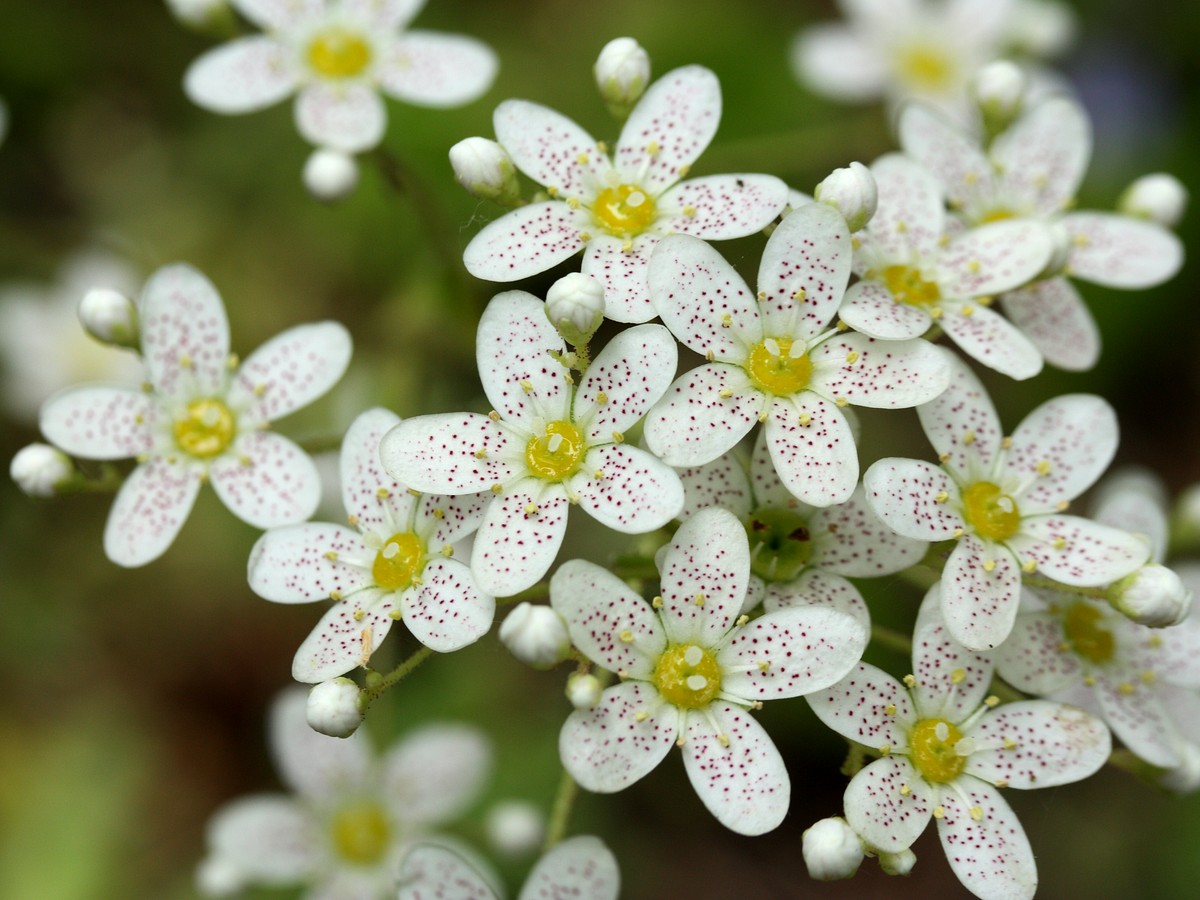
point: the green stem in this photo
(398, 674)
(560, 812)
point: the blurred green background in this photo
(133, 701)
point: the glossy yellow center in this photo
(205, 429)
(1081, 626)
(774, 370)
(398, 562)
(625, 210)
(932, 745)
(780, 543)
(361, 833)
(337, 52)
(926, 67)
(555, 454)
(687, 676)
(907, 286)
(990, 513)
(997, 215)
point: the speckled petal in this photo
(877, 810)
(693, 424)
(621, 266)
(633, 371)
(705, 575)
(948, 152)
(1032, 659)
(439, 70)
(849, 539)
(347, 635)
(951, 680)
(996, 257)
(669, 128)
(858, 708)
(1138, 719)
(185, 333)
(270, 481)
(981, 587)
(526, 241)
(722, 482)
(737, 772)
(523, 382)
(291, 370)
(1044, 154)
(903, 493)
(1135, 499)
(1073, 438)
(836, 61)
(1078, 551)
(765, 482)
(817, 460)
(815, 588)
(293, 564)
(703, 300)
(1054, 317)
(280, 15)
(872, 309)
(721, 207)
(599, 608)
(962, 423)
(1055, 744)
(1121, 252)
(435, 773)
(453, 517)
(991, 339)
(514, 546)
(549, 147)
(347, 117)
(451, 453)
(150, 508)
(244, 75)
(883, 374)
(430, 872)
(448, 612)
(362, 475)
(98, 422)
(383, 14)
(790, 652)
(316, 766)
(269, 839)
(991, 857)
(608, 748)
(580, 867)
(909, 218)
(627, 489)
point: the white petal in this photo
(436, 773)
(834, 60)
(1055, 744)
(385, 15)
(627, 489)
(347, 635)
(721, 207)
(909, 218)
(1044, 154)
(449, 453)
(877, 809)
(361, 470)
(1079, 551)
(267, 839)
(452, 518)
(523, 382)
(883, 374)
(633, 371)
(429, 870)
(815, 588)
(98, 422)
(280, 15)
(316, 766)
(608, 748)
(693, 424)
(291, 564)
(580, 867)
(270, 481)
(346, 117)
(991, 857)
(1032, 659)
(980, 592)
(1138, 719)
(872, 309)
(768, 488)
(722, 482)
(448, 611)
(951, 680)
(1075, 435)
(525, 241)
(859, 708)
(992, 340)
(813, 449)
(849, 539)
(1121, 252)
(995, 257)
(514, 546)
(903, 493)
(549, 147)
(948, 152)
(185, 333)
(243, 75)
(440, 70)
(705, 575)
(291, 370)
(150, 508)
(962, 423)
(622, 266)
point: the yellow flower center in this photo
(205, 429)
(907, 286)
(399, 562)
(556, 454)
(997, 215)
(774, 370)
(361, 833)
(990, 514)
(337, 52)
(1082, 628)
(625, 210)
(932, 750)
(687, 676)
(780, 543)
(926, 67)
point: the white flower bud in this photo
(852, 192)
(536, 635)
(900, 863)
(1040, 27)
(622, 72)
(1160, 197)
(584, 691)
(575, 306)
(486, 170)
(330, 175)
(1185, 777)
(832, 850)
(41, 470)
(334, 707)
(515, 828)
(999, 89)
(203, 15)
(1153, 595)
(216, 877)
(110, 317)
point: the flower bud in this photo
(515, 828)
(999, 89)
(206, 16)
(110, 317)
(900, 863)
(1040, 27)
(575, 306)
(832, 850)
(1160, 197)
(1185, 777)
(1153, 595)
(334, 707)
(622, 72)
(330, 175)
(216, 877)
(41, 470)
(536, 635)
(852, 192)
(584, 691)
(486, 170)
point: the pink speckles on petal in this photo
(185, 333)
(693, 424)
(705, 574)
(889, 804)
(1054, 317)
(629, 375)
(346, 117)
(1044, 154)
(348, 633)
(996, 257)
(269, 481)
(429, 871)
(872, 309)
(292, 369)
(904, 494)
(951, 680)
(991, 856)
(580, 866)
(362, 473)
(803, 272)
(1036, 743)
(519, 538)
(991, 339)
(946, 151)
(1065, 445)
(99, 422)
(447, 611)
(246, 74)
(523, 382)
(1079, 551)
(1121, 252)
(813, 449)
(815, 588)
(526, 241)
(453, 517)
(449, 453)
(868, 707)
(722, 482)
(980, 591)
(621, 265)
(962, 423)
(150, 508)
(308, 561)
(878, 374)
(550, 148)
(608, 748)
(849, 539)
(438, 70)
(628, 489)
(909, 217)
(1033, 659)
(721, 207)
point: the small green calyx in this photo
(780, 543)
(556, 454)
(1081, 627)
(687, 676)
(990, 513)
(361, 833)
(399, 562)
(774, 370)
(933, 750)
(338, 52)
(205, 429)
(907, 286)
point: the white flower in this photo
(777, 357)
(352, 815)
(335, 56)
(622, 72)
(202, 418)
(548, 443)
(916, 269)
(393, 560)
(334, 708)
(831, 849)
(580, 867)
(536, 635)
(1002, 499)
(40, 470)
(944, 750)
(691, 669)
(619, 208)
(330, 175)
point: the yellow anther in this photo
(724, 739)
(232, 361)
(939, 812)
(1089, 680)
(1010, 744)
(382, 493)
(684, 169)
(1029, 566)
(1059, 543)
(890, 709)
(763, 665)
(935, 312)
(1043, 467)
(968, 438)
(1062, 505)
(742, 620)
(680, 741)
(989, 565)
(1154, 641)
(497, 488)
(905, 790)
(957, 533)
(910, 680)
(885, 750)
(991, 701)
(530, 509)
(977, 813)
(902, 226)
(245, 461)
(335, 595)
(331, 555)
(800, 295)
(598, 475)
(1006, 443)
(968, 310)
(852, 357)
(689, 211)
(359, 615)
(395, 615)
(585, 236)
(805, 419)
(841, 401)
(1125, 688)
(657, 602)
(985, 301)
(185, 361)
(1149, 677)
(413, 492)
(944, 457)
(139, 419)
(761, 295)
(622, 674)
(352, 519)
(653, 148)
(602, 398)
(641, 715)
(1063, 647)
(973, 266)
(699, 599)
(583, 159)
(552, 192)
(494, 416)
(481, 453)
(958, 676)
(447, 551)
(842, 326)
(1001, 782)
(708, 355)
(439, 513)
(601, 147)
(627, 247)
(725, 393)
(726, 321)
(526, 385)
(573, 202)
(259, 390)
(626, 636)
(941, 497)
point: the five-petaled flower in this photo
(202, 417)
(549, 442)
(691, 667)
(393, 560)
(619, 208)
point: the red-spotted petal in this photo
(309, 561)
(878, 374)
(909, 217)
(526, 241)
(447, 611)
(1034, 660)
(550, 148)
(813, 449)
(346, 117)
(765, 482)
(705, 574)
(383, 14)
(621, 265)
(996, 257)
(453, 517)
(1078, 551)
(948, 152)
(873, 309)
(523, 382)
(693, 424)
(888, 804)
(244, 75)
(1036, 744)
(267, 838)
(904, 492)
(980, 587)
(992, 340)
(632, 373)
(721, 207)
(849, 539)
(868, 707)
(98, 422)
(281, 15)
(621, 740)
(185, 333)
(722, 482)
(991, 856)
(348, 633)
(579, 867)
(519, 538)
(291, 370)
(450, 453)
(270, 481)
(149, 510)
(365, 484)
(1044, 155)
(951, 680)
(1066, 444)
(1054, 317)
(1137, 718)
(435, 773)
(815, 588)
(429, 871)
(962, 424)
(1120, 251)
(627, 489)
(439, 70)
